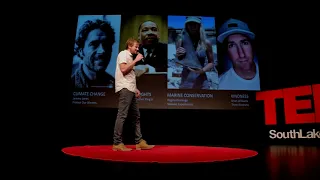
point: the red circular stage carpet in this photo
(161, 154)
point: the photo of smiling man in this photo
(237, 46)
(95, 51)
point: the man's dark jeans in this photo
(128, 105)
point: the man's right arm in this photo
(126, 67)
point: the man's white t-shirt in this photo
(231, 81)
(129, 80)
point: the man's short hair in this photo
(131, 41)
(89, 26)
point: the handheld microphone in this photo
(142, 58)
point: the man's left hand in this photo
(137, 93)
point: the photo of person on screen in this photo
(237, 42)
(154, 51)
(126, 88)
(94, 48)
(192, 50)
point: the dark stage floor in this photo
(272, 162)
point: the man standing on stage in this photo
(126, 88)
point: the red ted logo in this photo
(291, 104)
